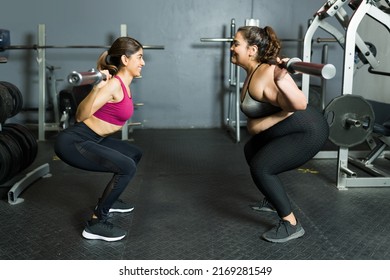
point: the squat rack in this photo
(348, 41)
(233, 121)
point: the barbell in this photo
(293, 65)
(350, 118)
(90, 77)
(296, 65)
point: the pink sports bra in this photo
(117, 113)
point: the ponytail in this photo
(272, 46)
(111, 59)
(104, 63)
(266, 41)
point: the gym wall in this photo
(184, 85)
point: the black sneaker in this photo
(121, 207)
(104, 230)
(264, 206)
(284, 232)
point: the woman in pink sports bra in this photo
(87, 144)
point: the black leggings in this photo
(81, 147)
(285, 146)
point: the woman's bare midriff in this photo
(101, 127)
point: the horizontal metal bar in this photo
(364, 182)
(334, 154)
(34, 47)
(90, 77)
(231, 40)
(216, 39)
(135, 124)
(291, 40)
(348, 172)
(326, 40)
(319, 40)
(326, 71)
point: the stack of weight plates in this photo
(18, 147)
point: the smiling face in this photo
(134, 63)
(239, 50)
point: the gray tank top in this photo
(256, 109)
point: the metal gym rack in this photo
(348, 41)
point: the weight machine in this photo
(344, 127)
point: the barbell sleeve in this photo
(91, 77)
(296, 65)
(353, 122)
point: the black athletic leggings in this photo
(81, 147)
(285, 146)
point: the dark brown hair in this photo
(266, 41)
(111, 59)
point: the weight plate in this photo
(5, 163)
(32, 142)
(6, 104)
(20, 138)
(351, 120)
(16, 97)
(15, 153)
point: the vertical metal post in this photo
(342, 163)
(349, 67)
(307, 53)
(41, 81)
(232, 66)
(238, 125)
(324, 60)
(125, 128)
(235, 81)
(350, 43)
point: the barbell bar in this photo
(90, 77)
(296, 65)
(35, 47)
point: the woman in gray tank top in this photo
(286, 131)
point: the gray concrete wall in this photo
(184, 85)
